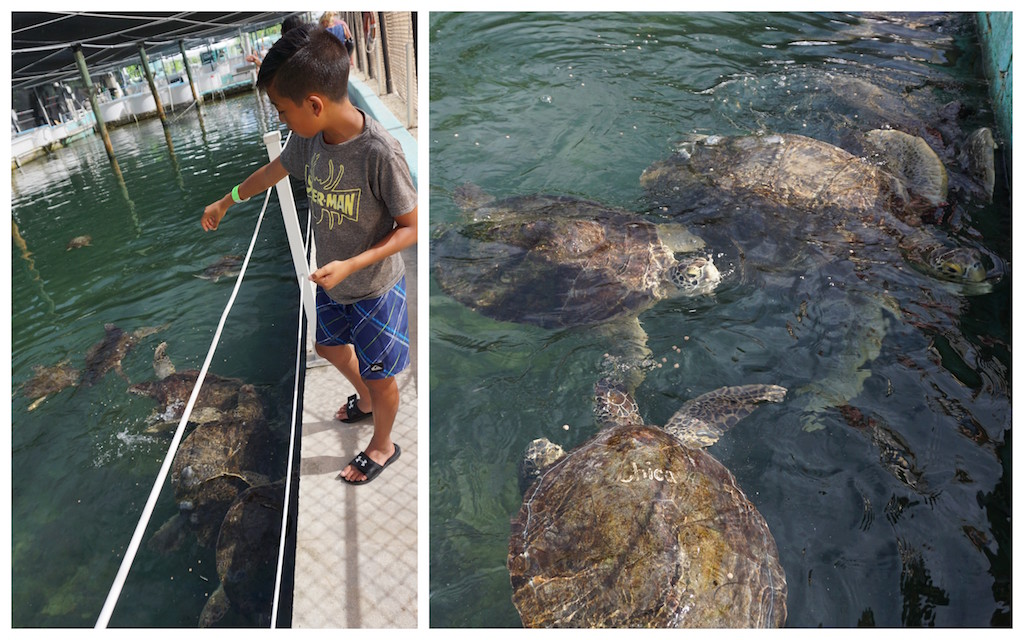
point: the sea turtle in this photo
(556, 261)
(839, 103)
(843, 197)
(214, 463)
(642, 527)
(247, 549)
(172, 390)
(108, 352)
(78, 242)
(224, 267)
(49, 380)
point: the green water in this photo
(895, 514)
(82, 465)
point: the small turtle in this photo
(49, 380)
(213, 465)
(224, 267)
(641, 527)
(79, 241)
(247, 547)
(108, 352)
(554, 261)
(172, 390)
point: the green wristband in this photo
(235, 196)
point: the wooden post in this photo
(83, 70)
(156, 95)
(198, 97)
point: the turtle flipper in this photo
(701, 421)
(628, 358)
(614, 405)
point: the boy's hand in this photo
(213, 214)
(329, 275)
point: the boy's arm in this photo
(262, 179)
(401, 237)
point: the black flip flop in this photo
(368, 467)
(352, 411)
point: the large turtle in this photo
(819, 184)
(556, 261)
(839, 103)
(213, 465)
(172, 390)
(108, 353)
(247, 549)
(641, 527)
(47, 381)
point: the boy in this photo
(363, 205)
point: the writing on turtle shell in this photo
(649, 473)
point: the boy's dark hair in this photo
(306, 60)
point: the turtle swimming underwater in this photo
(48, 381)
(108, 352)
(554, 261)
(172, 389)
(821, 184)
(247, 547)
(79, 241)
(224, 267)
(215, 463)
(641, 527)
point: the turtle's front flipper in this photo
(701, 421)
(623, 368)
(628, 358)
(614, 405)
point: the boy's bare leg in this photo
(384, 395)
(344, 359)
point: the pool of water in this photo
(885, 475)
(82, 462)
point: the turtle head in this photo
(973, 271)
(960, 264)
(695, 276)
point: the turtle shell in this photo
(633, 529)
(792, 170)
(553, 262)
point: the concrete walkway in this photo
(356, 547)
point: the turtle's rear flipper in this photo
(701, 421)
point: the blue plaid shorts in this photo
(378, 328)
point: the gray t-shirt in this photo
(355, 189)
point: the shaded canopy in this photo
(42, 42)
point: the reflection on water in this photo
(83, 462)
(883, 477)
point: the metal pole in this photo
(83, 70)
(384, 52)
(410, 71)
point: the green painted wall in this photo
(996, 31)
